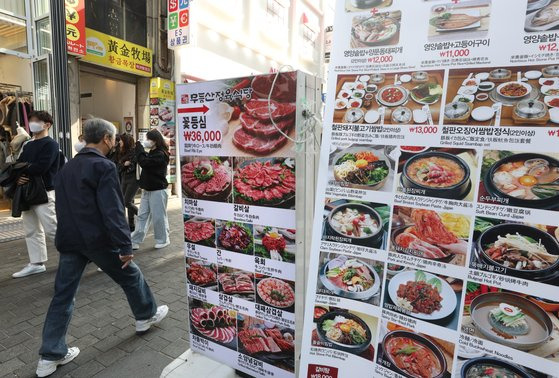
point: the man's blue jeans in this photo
(70, 270)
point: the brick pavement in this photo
(102, 325)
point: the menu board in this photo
(238, 175)
(435, 246)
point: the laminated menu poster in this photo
(435, 246)
(238, 176)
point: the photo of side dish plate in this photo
(514, 89)
(511, 320)
(483, 113)
(447, 304)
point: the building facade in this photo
(254, 36)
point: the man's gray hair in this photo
(96, 129)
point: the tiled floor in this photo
(102, 326)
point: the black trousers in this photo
(129, 187)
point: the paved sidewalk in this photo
(102, 326)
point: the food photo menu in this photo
(238, 177)
(436, 238)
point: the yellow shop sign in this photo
(162, 88)
(108, 51)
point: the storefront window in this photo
(42, 86)
(43, 36)
(41, 7)
(124, 19)
(14, 7)
(13, 33)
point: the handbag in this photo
(34, 192)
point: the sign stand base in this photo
(191, 364)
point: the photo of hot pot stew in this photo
(438, 172)
(520, 179)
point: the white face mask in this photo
(78, 146)
(36, 127)
(148, 143)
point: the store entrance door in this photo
(108, 98)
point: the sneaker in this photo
(29, 270)
(46, 367)
(143, 325)
(135, 247)
(161, 246)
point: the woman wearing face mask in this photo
(80, 144)
(153, 181)
(127, 172)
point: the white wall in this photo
(229, 43)
(14, 70)
(110, 99)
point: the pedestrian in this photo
(114, 155)
(92, 227)
(153, 181)
(42, 153)
(80, 144)
(127, 172)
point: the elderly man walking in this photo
(92, 227)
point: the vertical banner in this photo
(178, 19)
(75, 26)
(435, 247)
(239, 190)
(162, 117)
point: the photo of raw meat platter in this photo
(274, 243)
(201, 274)
(236, 282)
(250, 124)
(265, 182)
(276, 293)
(267, 342)
(199, 230)
(235, 237)
(213, 323)
(207, 178)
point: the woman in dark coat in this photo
(153, 181)
(127, 173)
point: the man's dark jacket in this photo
(90, 207)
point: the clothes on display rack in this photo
(14, 111)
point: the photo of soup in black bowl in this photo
(525, 180)
(436, 174)
(413, 356)
(492, 367)
(524, 251)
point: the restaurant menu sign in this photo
(435, 247)
(238, 184)
(162, 117)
